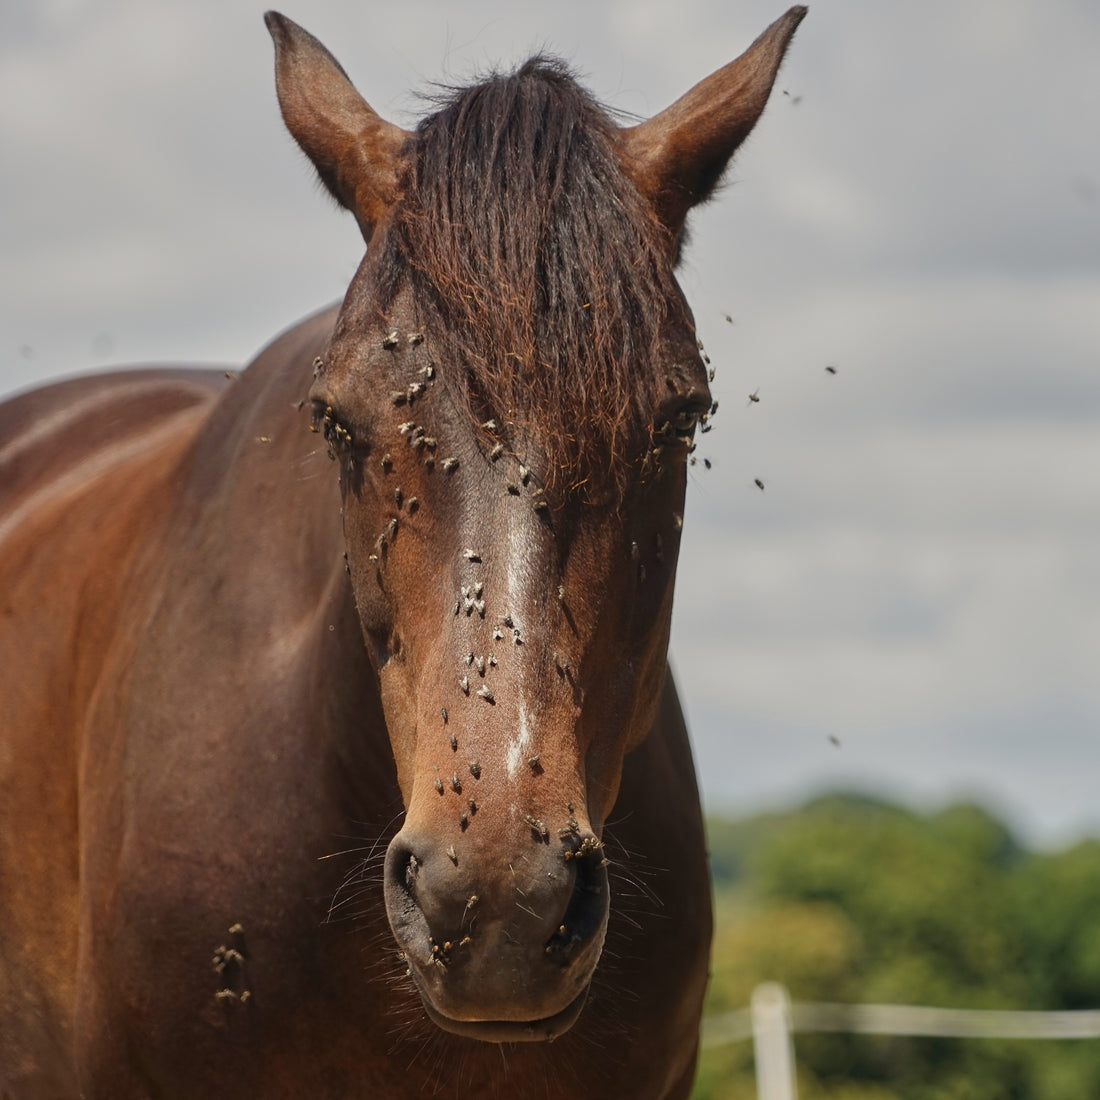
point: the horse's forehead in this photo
(376, 355)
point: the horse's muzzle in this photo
(500, 950)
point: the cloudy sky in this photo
(912, 604)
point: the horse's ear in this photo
(677, 158)
(356, 153)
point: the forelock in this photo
(544, 274)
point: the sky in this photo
(911, 605)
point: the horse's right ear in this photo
(356, 153)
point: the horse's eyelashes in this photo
(682, 412)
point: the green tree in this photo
(854, 899)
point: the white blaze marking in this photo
(517, 581)
(518, 749)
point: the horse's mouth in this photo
(511, 1031)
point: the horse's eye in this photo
(677, 423)
(685, 420)
(326, 421)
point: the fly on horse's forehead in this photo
(225, 647)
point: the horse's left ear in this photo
(356, 153)
(677, 157)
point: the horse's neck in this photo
(265, 537)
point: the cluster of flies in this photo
(678, 432)
(439, 954)
(471, 598)
(229, 965)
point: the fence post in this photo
(773, 1047)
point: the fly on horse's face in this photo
(511, 419)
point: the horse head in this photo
(510, 391)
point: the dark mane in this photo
(546, 271)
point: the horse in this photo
(315, 778)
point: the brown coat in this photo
(364, 781)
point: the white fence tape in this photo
(772, 1020)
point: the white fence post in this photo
(772, 1043)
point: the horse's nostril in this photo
(584, 915)
(403, 871)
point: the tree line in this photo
(854, 899)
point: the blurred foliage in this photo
(853, 899)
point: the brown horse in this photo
(220, 656)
